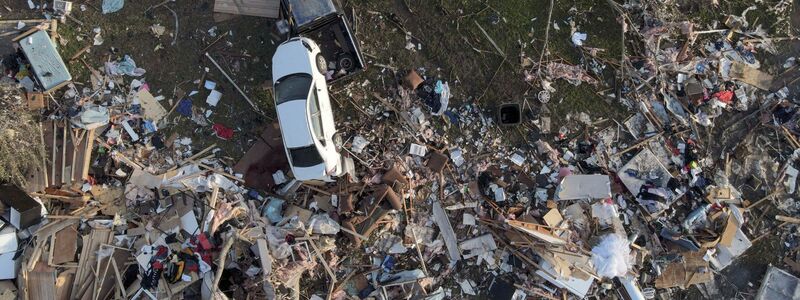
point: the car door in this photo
(315, 119)
(325, 108)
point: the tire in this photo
(347, 62)
(322, 65)
(337, 141)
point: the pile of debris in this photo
(439, 205)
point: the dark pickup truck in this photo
(323, 22)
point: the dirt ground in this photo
(245, 54)
(447, 41)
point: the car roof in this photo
(290, 58)
(292, 116)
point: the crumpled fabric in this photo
(222, 132)
(111, 6)
(125, 67)
(93, 116)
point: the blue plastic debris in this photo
(273, 210)
(110, 6)
(185, 107)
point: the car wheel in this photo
(322, 65)
(347, 62)
(337, 141)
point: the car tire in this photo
(337, 141)
(322, 65)
(346, 62)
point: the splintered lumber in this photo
(64, 284)
(787, 219)
(322, 261)
(80, 52)
(538, 231)
(84, 278)
(223, 253)
(120, 286)
(106, 285)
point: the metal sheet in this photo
(584, 187)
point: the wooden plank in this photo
(87, 262)
(118, 276)
(64, 285)
(87, 156)
(64, 137)
(257, 8)
(537, 231)
(54, 150)
(42, 283)
(106, 285)
(78, 153)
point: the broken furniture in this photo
(21, 211)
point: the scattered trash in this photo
(124, 67)
(141, 189)
(578, 38)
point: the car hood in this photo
(294, 124)
(310, 173)
(291, 58)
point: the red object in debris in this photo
(203, 241)
(222, 132)
(724, 96)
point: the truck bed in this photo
(338, 47)
(323, 22)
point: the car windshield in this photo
(305, 156)
(292, 87)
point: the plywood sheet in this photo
(42, 283)
(65, 245)
(64, 285)
(751, 76)
(152, 109)
(694, 270)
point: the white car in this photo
(304, 110)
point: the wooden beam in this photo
(322, 261)
(787, 219)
